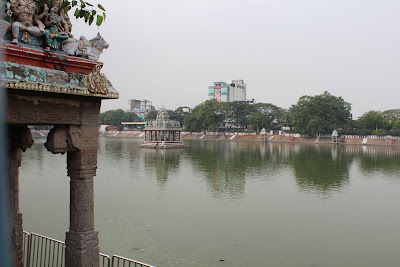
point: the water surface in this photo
(219, 203)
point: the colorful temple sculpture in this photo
(52, 79)
(162, 132)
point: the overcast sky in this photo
(170, 51)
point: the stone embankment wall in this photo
(287, 138)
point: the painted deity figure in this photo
(57, 28)
(26, 16)
(5, 17)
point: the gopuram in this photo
(162, 132)
(50, 78)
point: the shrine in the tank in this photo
(162, 132)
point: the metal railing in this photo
(104, 260)
(26, 238)
(118, 261)
(43, 251)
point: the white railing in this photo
(375, 137)
(347, 136)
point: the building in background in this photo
(234, 90)
(184, 109)
(141, 107)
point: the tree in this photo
(380, 132)
(321, 114)
(130, 117)
(391, 115)
(152, 115)
(115, 117)
(205, 116)
(176, 115)
(237, 112)
(191, 123)
(395, 129)
(264, 114)
(372, 120)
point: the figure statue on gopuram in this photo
(26, 18)
(45, 24)
(5, 17)
(57, 28)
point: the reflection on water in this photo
(377, 159)
(321, 169)
(246, 203)
(161, 162)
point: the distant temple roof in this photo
(162, 122)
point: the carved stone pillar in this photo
(20, 138)
(80, 143)
(82, 242)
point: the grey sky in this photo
(170, 51)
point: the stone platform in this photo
(163, 145)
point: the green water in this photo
(219, 203)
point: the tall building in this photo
(140, 107)
(234, 90)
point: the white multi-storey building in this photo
(140, 107)
(230, 91)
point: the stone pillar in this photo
(80, 143)
(82, 241)
(20, 138)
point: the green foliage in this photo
(115, 117)
(396, 125)
(130, 117)
(379, 132)
(176, 115)
(208, 113)
(354, 128)
(84, 10)
(191, 123)
(320, 114)
(264, 115)
(204, 115)
(213, 128)
(238, 114)
(391, 115)
(394, 132)
(152, 115)
(371, 121)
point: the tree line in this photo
(311, 115)
(116, 117)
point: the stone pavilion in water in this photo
(162, 132)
